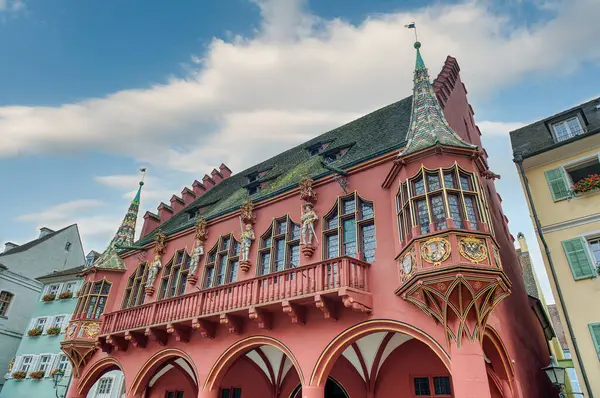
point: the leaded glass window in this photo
(174, 275)
(433, 202)
(222, 262)
(93, 301)
(350, 229)
(134, 292)
(279, 246)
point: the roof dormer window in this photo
(567, 129)
(253, 176)
(317, 148)
(253, 190)
(335, 154)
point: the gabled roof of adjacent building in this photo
(66, 272)
(35, 242)
(537, 137)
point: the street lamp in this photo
(57, 376)
(557, 374)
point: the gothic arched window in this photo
(349, 229)
(221, 264)
(174, 275)
(279, 247)
(135, 290)
(432, 196)
(92, 299)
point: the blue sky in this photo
(91, 91)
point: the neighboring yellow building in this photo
(558, 159)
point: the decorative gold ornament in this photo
(473, 249)
(247, 212)
(407, 265)
(497, 256)
(441, 286)
(161, 242)
(306, 190)
(201, 230)
(92, 329)
(71, 330)
(435, 250)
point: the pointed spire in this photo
(428, 126)
(124, 236)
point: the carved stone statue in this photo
(153, 273)
(247, 212)
(196, 254)
(306, 190)
(308, 224)
(246, 236)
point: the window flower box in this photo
(57, 371)
(34, 332)
(19, 375)
(53, 331)
(49, 297)
(65, 295)
(589, 183)
(37, 375)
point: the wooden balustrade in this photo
(294, 283)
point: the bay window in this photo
(222, 261)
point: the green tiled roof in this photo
(428, 126)
(375, 134)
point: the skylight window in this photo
(567, 129)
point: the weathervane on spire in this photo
(412, 25)
(143, 171)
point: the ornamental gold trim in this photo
(473, 249)
(92, 329)
(435, 250)
(410, 256)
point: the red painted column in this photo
(208, 394)
(313, 392)
(469, 376)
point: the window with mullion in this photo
(96, 298)
(280, 246)
(175, 275)
(350, 228)
(221, 262)
(134, 292)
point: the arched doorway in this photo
(170, 373)
(385, 358)
(498, 365)
(103, 379)
(333, 389)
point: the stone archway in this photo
(385, 330)
(165, 368)
(260, 363)
(95, 372)
(499, 367)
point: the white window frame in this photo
(30, 363)
(34, 322)
(576, 162)
(570, 133)
(53, 324)
(48, 364)
(57, 362)
(99, 394)
(49, 287)
(74, 289)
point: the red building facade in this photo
(373, 261)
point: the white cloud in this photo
(298, 76)
(12, 5)
(498, 128)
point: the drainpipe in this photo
(538, 226)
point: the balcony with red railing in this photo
(326, 285)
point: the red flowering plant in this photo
(586, 184)
(34, 332)
(65, 295)
(37, 375)
(49, 297)
(53, 331)
(19, 375)
(57, 371)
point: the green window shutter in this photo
(557, 182)
(595, 331)
(578, 258)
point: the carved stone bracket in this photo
(296, 312)
(181, 332)
(158, 335)
(201, 230)
(118, 343)
(149, 290)
(160, 243)
(307, 250)
(326, 306)
(263, 318)
(234, 324)
(245, 265)
(192, 279)
(357, 301)
(207, 329)
(137, 339)
(103, 345)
